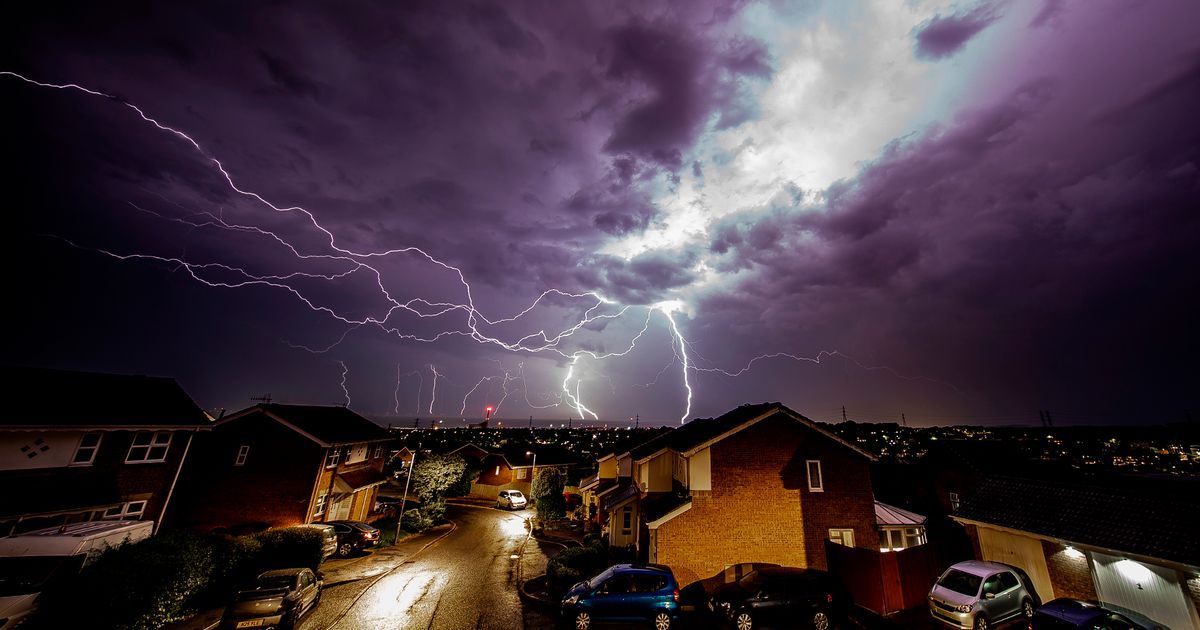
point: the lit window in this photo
(497, 470)
(243, 451)
(815, 482)
(149, 447)
(521, 473)
(131, 511)
(319, 506)
(842, 536)
(333, 457)
(85, 453)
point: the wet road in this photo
(465, 579)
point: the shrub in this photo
(435, 475)
(290, 547)
(547, 493)
(573, 565)
(415, 521)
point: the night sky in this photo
(961, 212)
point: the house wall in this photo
(655, 475)
(624, 466)
(488, 474)
(346, 510)
(150, 482)
(757, 511)
(274, 487)
(617, 536)
(608, 469)
(700, 470)
(1070, 575)
(42, 449)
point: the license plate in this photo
(253, 623)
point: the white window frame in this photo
(522, 473)
(242, 454)
(153, 442)
(954, 501)
(842, 536)
(80, 448)
(627, 520)
(319, 507)
(333, 457)
(378, 452)
(819, 486)
(128, 511)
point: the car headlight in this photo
(571, 601)
(965, 608)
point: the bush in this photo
(165, 578)
(573, 565)
(547, 493)
(435, 511)
(415, 521)
(435, 475)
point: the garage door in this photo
(1151, 590)
(1018, 551)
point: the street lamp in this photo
(412, 464)
(534, 476)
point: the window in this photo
(131, 511)
(616, 585)
(243, 451)
(497, 473)
(954, 501)
(842, 536)
(521, 473)
(85, 453)
(992, 586)
(378, 452)
(149, 447)
(648, 583)
(1007, 581)
(333, 457)
(319, 506)
(815, 482)
(626, 520)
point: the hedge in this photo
(575, 564)
(150, 583)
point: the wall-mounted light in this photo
(1073, 553)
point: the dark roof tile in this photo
(332, 425)
(61, 398)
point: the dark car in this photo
(782, 597)
(276, 602)
(642, 593)
(354, 536)
(695, 596)
(1068, 614)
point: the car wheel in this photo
(982, 623)
(743, 621)
(662, 621)
(820, 620)
(345, 549)
(583, 621)
(1027, 609)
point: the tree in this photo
(548, 493)
(435, 475)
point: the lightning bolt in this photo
(216, 274)
(345, 390)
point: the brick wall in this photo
(848, 501)
(1070, 575)
(488, 475)
(756, 511)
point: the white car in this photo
(511, 500)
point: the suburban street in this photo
(463, 576)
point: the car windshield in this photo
(274, 582)
(516, 495)
(752, 581)
(21, 575)
(599, 579)
(960, 582)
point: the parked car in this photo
(695, 596)
(645, 593)
(1069, 614)
(782, 596)
(31, 561)
(976, 594)
(511, 500)
(276, 602)
(354, 536)
(329, 536)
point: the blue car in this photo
(1072, 614)
(641, 593)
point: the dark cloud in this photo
(944, 35)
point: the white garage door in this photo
(1019, 551)
(1151, 590)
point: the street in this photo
(466, 576)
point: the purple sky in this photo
(961, 212)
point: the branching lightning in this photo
(354, 263)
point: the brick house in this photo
(508, 468)
(84, 446)
(277, 465)
(761, 483)
(1128, 542)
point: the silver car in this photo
(979, 595)
(511, 500)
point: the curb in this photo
(530, 597)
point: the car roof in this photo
(980, 568)
(281, 573)
(641, 568)
(1071, 610)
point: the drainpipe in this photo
(162, 516)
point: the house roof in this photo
(1151, 517)
(43, 398)
(702, 431)
(361, 478)
(890, 515)
(546, 456)
(326, 425)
